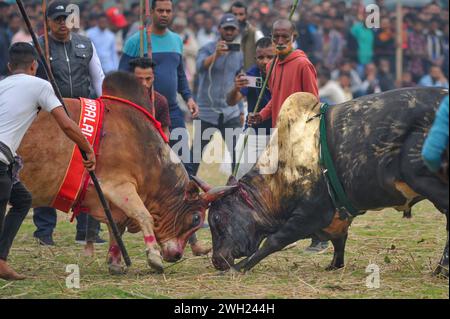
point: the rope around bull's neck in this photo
(297, 3)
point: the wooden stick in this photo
(149, 29)
(47, 45)
(399, 40)
(141, 29)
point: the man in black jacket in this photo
(76, 68)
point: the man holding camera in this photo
(218, 63)
(249, 86)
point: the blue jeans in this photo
(45, 220)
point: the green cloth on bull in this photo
(337, 192)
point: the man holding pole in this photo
(292, 73)
(21, 97)
(260, 134)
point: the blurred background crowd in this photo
(350, 58)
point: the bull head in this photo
(191, 214)
(234, 231)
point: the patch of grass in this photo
(412, 246)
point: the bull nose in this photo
(174, 257)
(177, 256)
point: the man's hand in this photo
(89, 164)
(193, 107)
(221, 48)
(240, 82)
(254, 119)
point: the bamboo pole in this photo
(141, 28)
(46, 43)
(399, 41)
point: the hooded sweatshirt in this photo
(293, 74)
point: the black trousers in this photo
(20, 199)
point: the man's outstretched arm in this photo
(71, 129)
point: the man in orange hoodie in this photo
(293, 73)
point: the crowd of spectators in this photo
(351, 59)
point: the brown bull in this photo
(147, 190)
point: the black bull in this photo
(375, 143)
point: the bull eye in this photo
(216, 218)
(196, 220)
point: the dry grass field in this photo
(406, 252)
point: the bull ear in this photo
(218, 192)
(192, 192)
(202, 184)
(232, 181)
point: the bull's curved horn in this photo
(202, 184)
(232, 181)
(218, 192)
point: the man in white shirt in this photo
(22, 96)
(104, 42)
(330, 91)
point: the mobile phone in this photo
(234, 46)
(254, 81)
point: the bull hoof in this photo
(154, 260)
(441, 271)
(334, 267)
(116, 270)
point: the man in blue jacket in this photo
(437, 140)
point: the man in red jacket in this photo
(293, 72)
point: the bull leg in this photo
(114, 258)
(407, 214)
(296, 228)
(339, 251)
(442, 268)
(436, 191)
(125, 197)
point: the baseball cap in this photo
(3, 4)
(58, 9)
(229, 20)
(116, 17)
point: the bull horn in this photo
(232, 181)
(218, 192)
(202, 184)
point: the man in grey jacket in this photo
(217, 67)
(76, 67)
